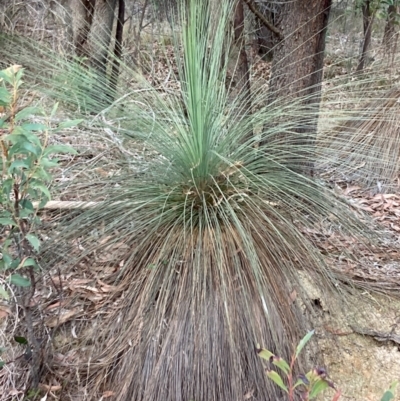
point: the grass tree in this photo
(209, 239)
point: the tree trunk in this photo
(101, 34)
(368, 20)
(118, 46)
(242, 71)
(390, 35)
(297, 67)
(83, 11)
(265, 37)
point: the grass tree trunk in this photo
(297, 66)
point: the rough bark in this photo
(101, 34)
(265, 38)
(242, 70)
(297, 67)
(93, 24)
(83, 11)
(391, 33)
(368, 20)
(118, 45)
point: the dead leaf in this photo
(46, 387)
(62, 318)
(351, 189)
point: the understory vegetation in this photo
(194, 210)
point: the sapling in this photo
(25, 172)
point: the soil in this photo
(361, 365)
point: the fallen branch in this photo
(377, 335)
(66, 205)
(252, 6)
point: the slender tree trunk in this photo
(391, 34)
(118, 46)
(83, 12)
(297, 67)
(101, 34)
(368, 20)
(265, 37)
(242, 71)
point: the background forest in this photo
(187, 182)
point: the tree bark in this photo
(368, 20)
(297, 67)
(118, 46)
(101, 34)
(242, 70)
(391, 34)
(83, 11)
(265, 38)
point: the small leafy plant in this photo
(25, 171)
(310, 384)
(389, 394)
(26, 160)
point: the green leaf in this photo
(387, 396)
(29, 136)
(26, 112)
(15, 263)
(21, 340)
(318, 386)
(54, 110)
(393, 386)
(34, 241)
(19, 280)
(41, 174)
(299, 383)
(281, 364)
(7, 221)
(7, 75)
(29, 262)
(5, 97)
(6, 186)
(42, 188)
(7, 260)
(303, 342)
(17, 164)
(274, 376)
(2, 363)
(24, 146)
(69, 123)
(59, 149)
(47, 163)
(4, 294)
(34, 127)
(27, 204)
(265, 354)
